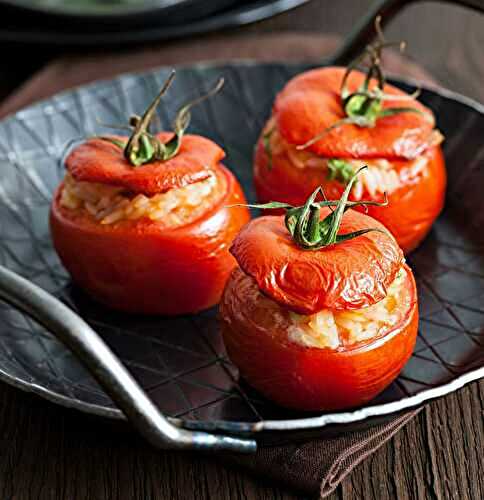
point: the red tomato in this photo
(309, 378)
(277, 277)
(311, 102)
(346, 276)
(97, 160)
(412, 208)
(141, 265)
(308, 105)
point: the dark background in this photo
(49, 452)
(447, 40)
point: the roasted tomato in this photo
(324, 328)
(144, 251)
(153, 237)
(312, 139)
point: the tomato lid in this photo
(350, 275)
(97, 160)
(311, 103)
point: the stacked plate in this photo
(115, 22)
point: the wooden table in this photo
(51, 453)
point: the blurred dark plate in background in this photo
(94, 22)
(124, 11)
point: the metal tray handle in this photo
(98, 358)
(106, 368)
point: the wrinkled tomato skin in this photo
(98, 160)
(137, 267)
(311, 103)
(308, 378)
(411, 210)
(347, 276)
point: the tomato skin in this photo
(412, 208)
(97, 160)
(308, 378)
(311, 102)
(346, 276)
(136, 267)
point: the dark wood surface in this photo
(51, 453)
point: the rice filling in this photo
(110, 204)
(380, 176)
(332, 329)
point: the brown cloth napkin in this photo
(319, 465)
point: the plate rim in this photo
(234, 427)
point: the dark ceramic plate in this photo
(121, 10)
(181, 362)
(24, 24)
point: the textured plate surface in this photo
(181, 362)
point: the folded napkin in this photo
(318, 465)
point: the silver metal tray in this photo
(181, 362)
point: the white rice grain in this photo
(327, 328)
(380, 176)
(110, 204)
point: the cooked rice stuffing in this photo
(378, 178)
(335, 328)
(110, 204)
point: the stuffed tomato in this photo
(328, 122)
(319, 327)
(153, 237)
